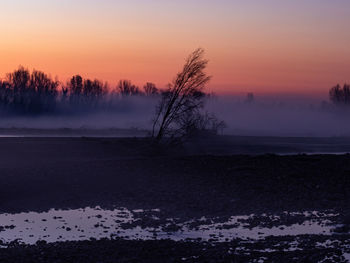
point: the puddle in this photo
(221, 232)
(87, 223)
(347, 257)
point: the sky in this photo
(270, 46)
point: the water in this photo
(87, 223)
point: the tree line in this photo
(179, 114)
(25, 92)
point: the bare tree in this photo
(339, 95)
(93, 91)
(64, 94)
(19, 82)
(180, 109)
(150, 89)
(126, 88)
(27, 92)
(42, 92)
(75, 87)
(250, 98)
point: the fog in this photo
(281, 116)
(130, 112)
(265, 116)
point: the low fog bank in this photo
(262, 116)
(127, 113)
(281, 116)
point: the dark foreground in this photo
(38, 174)
(111, 251)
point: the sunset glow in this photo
(260, 46)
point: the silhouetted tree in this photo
(64, 94)
(207, 123)
(83, 94)
(6, 95)
(42, 91)
(75, 87)
(93, 91)
(150, 89)
(126, 88)
(29, 92)
(250, 98)
(19, 82)
(339, 95)
(179, 111)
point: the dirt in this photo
(38, 174)
(170, 251)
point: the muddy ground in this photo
(169, 251)
(38, 174)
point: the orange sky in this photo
(261, 46)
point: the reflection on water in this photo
(84, 224)
(59, 225)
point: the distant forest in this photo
(32, 93)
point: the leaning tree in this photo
(180, 111)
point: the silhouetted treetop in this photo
(150, 89)
(250, 98)
(18, 79)
(42, 84)
(76, 85)
(179, 111)
(340, 95)
(126, 88)
(94, 89)
(27, 92)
